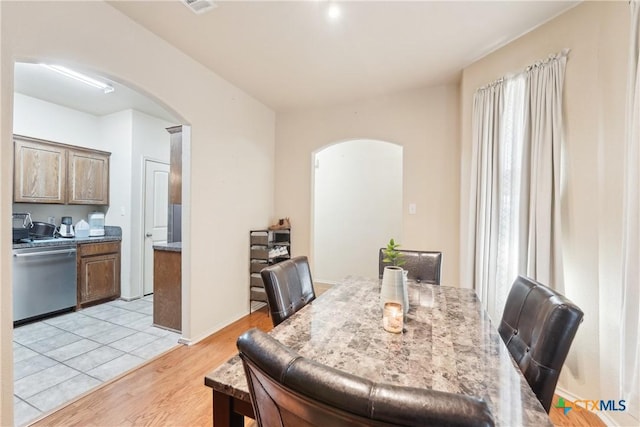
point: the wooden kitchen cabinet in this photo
(39, 171)
(50, 172)
(167, 289)
(175, 165)
(98, 272)
(88, 177)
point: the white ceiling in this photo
(289, 54)
(40, 82)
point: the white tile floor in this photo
(60, 358)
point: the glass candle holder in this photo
(393, 317)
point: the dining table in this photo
(448, 343)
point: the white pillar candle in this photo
(392, 317)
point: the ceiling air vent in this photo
(199, 6)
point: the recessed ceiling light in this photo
(107, 88)
(334, 12)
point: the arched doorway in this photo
(132, 129)
(357, 206)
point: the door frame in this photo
(145, 160)
(312, 220)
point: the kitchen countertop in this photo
(169, 247)
(112, 233)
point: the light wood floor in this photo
(580, 418)
(170, 390)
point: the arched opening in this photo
(79, 350)
(357, 206)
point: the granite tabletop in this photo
(449, 343)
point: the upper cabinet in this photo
(88, 182)
(39, 172)
(49, 172)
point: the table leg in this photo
(223, 413)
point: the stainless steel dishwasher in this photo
(44, 281)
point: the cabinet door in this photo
(39, 171)
(88, 181)
(99, 277)
(98, 271)
(167, 289)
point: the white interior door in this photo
(156, 207)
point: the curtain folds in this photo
(630, 331)
(544, 135)
(487, 107)
(516, 181)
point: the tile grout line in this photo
(89, 317)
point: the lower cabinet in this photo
(98, 272)
(167, 289)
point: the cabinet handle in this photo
(149, 235)
(44, 253)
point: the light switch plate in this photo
(412, 208)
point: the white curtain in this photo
(498, 124)
(515, 193)
(487, 114)
(630, 339)
(544, 135)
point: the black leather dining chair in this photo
(538, 326)
(288, 286)
(423, 266)
(289, 390)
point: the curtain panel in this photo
(544, 136)
(487, 105)
(516, 181)
(630, 321)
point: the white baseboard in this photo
(567, 394)
(185, 341)
(601, 414)
(211, 331)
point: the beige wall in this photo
(597, 34)
(6, 192)
(425, 122)
(232, 166)
(232, 149)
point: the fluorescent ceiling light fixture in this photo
(107, 88)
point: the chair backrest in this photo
(289, 390)
(288, 286)
(538, 326)
(423, 266)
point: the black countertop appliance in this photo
(21, 226)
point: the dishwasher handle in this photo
(43, 253)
